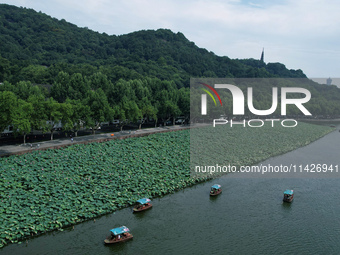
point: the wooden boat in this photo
(288, 196)
(215, 190)
(142, 204)
(119, 235)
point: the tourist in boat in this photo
(120, 234)
(142, 204)
(215, 189)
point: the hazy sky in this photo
(302, 34)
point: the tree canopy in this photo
(36, 47)
(52, 71)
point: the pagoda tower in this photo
(262, 56)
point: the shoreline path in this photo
(8, 150)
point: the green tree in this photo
(167, 102)
(34, 73)
(100, 109)
(60, 88)
(8, 102)
(147, 111)
(38, 116)
(67, 110)
(78, 87)
(23, 89)
(127, 111)
(142, 97)
(7, 86)
(4, 69)
(99, 80)
(184, 102)
(53, 113)
(74, 114)
(22, 124)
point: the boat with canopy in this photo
(288, 196)
(215, 190)
(142, 204)
(118, 235)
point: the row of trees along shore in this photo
(75, 100)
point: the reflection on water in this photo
(248, 217)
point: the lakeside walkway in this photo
(17, 149)
(7, 150)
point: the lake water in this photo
(249, 216)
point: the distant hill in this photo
(52, 71)
(35, 47)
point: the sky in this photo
(301, 34)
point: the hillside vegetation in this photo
(35, 47)
(52, 70)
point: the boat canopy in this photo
(143, 201)
(216, 186)
(120, 230)
(288, 192)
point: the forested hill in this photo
(54, 72)
(36, 47)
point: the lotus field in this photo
(244, 146)
(52, 189)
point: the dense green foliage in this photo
(75, 100)
(36, 47)
(87, 78)
(50, 189)
(46, 190)
(244, 146)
